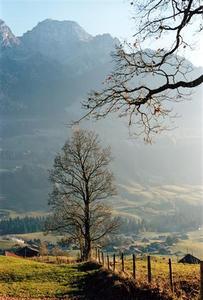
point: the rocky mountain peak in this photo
(52, 31)
(7, 38)
(66, 42)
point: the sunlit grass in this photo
(32, 279)
(26, 278)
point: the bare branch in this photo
(145, 81)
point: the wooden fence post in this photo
(107, 261)
(114, 262)
(122, 262)
(201, 280)
(134, 270)
(149, 269)
(102, 257)
(170, 274)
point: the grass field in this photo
(24, 278)
(27, 278)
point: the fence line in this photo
(149, 270)
(170, 274)
(114, 262)
(122, 261)
(111, 265)
(134, 267)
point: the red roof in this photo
(7, 253)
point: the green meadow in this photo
(30, 279)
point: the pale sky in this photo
(95, 16)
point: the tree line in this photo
(179, 221)
(163, 223)
(169, 222)
(22, 225)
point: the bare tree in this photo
(81, 182)
(144, 82)
(43, 249)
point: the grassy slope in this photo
(148, 201)
(26, 278)
(29, 279)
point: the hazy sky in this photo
(95, 16)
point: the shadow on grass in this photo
(101, 284)
(89, 266)
(77, 286)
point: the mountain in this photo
(7, 38)
(44, 64)
(52, 32)
(67, 42)
(42, 74)
(45, 74)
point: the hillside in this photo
(23, 278)
(37, 280)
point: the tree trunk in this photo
(87, 242)
(87, 246)
(87, 249)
